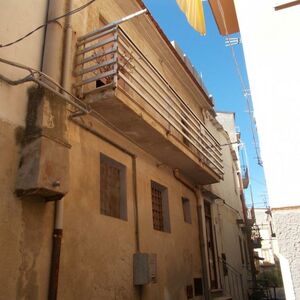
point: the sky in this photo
(215, 64)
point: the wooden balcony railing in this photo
(109, 59)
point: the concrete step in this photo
(216, 292)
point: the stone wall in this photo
(287, 226)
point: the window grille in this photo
(157, 208)
(160, 207)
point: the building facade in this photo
(113, 178)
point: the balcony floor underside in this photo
(137, 125)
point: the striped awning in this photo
(193, 10)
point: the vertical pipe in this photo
(59, 204)
(201, 232)
(53, 42)
(135, 199)
(44, 38)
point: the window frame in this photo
(166, 226)
(122, 213)
(186, 208)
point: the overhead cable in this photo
(76, 10)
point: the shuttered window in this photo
(112, 188)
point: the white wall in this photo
(272, 45)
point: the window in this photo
(160, 207)
(198, 286)
(186, 210)
(112, 188)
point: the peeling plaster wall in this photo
(25, 230)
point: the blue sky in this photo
(214, 61)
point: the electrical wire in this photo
(37, 77)
(246, 94)
(76, 10)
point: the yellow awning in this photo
(193, 10)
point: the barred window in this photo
(160, 207)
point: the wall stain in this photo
(30, 246)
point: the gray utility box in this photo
(144, 268)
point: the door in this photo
(210, 247)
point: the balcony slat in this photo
(97, 55)
(96, 67)
(95, 78)
(95, 46)
(97, 36)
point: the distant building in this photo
(269, 244)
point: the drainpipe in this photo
(66, 84)
(53, 41)
(201, 231)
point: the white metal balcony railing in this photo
(109, 59)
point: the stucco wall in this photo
(96, 250)
(287, 226)
(100, 248)
(25, 229)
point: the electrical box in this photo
(144, 268)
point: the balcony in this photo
(122, 85)
(245, 177)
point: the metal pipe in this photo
(111, 25)
(59, 204)
(44, 37)
(53, 42)
(201, 231)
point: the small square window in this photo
(160, 207)
(112, 188)
(186, 210)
